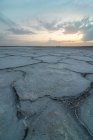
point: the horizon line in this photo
(41, 46)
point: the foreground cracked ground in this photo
(46, 93)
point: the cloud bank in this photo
(13, 27)
(84, 26)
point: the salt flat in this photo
(46, 93)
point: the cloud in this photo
(84, 26)
(13, 27)
(88, 36)
(7, 21)
(20, 31)
(87, 29)
(50, 25)
(71, 27)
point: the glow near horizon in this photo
(42, 17)
(44, 37)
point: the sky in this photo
(46, 22)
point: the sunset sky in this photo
(46, 22)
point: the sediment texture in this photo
(46, 93)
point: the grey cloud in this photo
(13, 27)
(85, 26)
(50, 26)
(71, 27)
(76, 26)
(20, 31)
(87, 30)
(88, 36)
